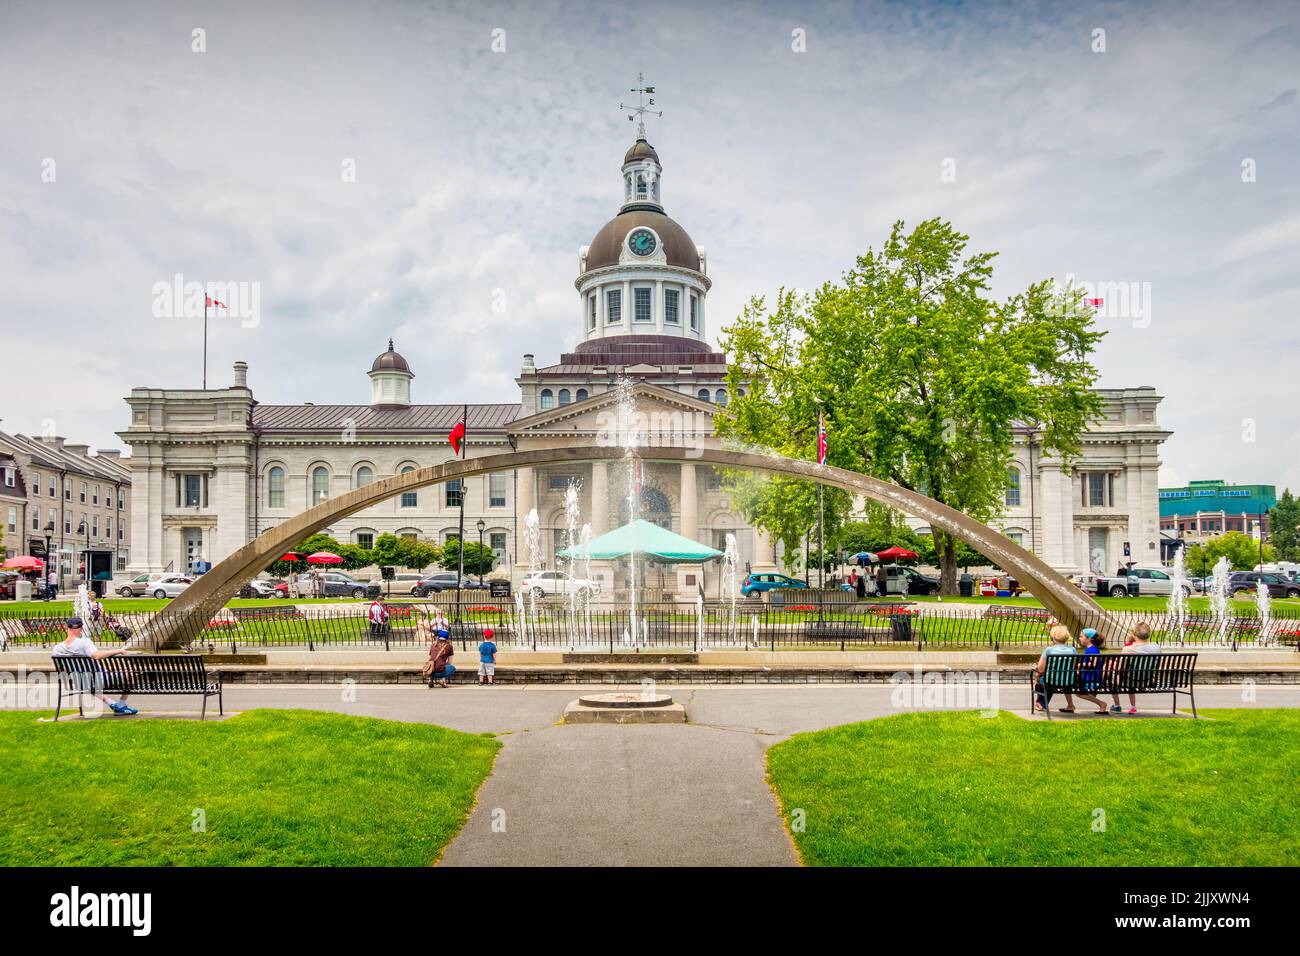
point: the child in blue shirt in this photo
(487, 658)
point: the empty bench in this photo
(1099, 674)
(136, 674)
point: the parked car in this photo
(1243, 584)
(338, 584)
(169, 585)
(1150, 581)
(541, 583)
(137, 586)
(443, 581)
(258, 588)
(755, 585)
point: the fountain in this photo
(728, 584)
(1264, 602)
(1178, 598)
(1219, 597)
(571, 515)
(533, 541)
(629, 438)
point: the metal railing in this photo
(557, 624)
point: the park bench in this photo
(1099, 674)
(135, 674)
(270, 613)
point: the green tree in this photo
(479, 558)
(1242, 552)
(922, 375)
(398, 552)
(1284, 527)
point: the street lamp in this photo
(481, 525)
(49, 536)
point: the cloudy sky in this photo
(1163, 169)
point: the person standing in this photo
(52, 585)
(76, 644)
(378, 618)
(487, 658)
(859, 585)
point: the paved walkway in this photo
(670, 795)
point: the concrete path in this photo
(666, 795)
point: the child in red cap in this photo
(487, 658)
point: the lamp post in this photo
(45, 582)
(481, 525)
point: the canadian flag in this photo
(821, 438)
(1095, 303)
(457, 435)
(209, 301)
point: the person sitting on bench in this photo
(1060, 645)
(1140, 643)
(1091, 643)
(77, 644)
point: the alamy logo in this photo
(133, 910)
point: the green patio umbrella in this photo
(647, 539)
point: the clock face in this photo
(642, 242)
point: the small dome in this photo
(608, 245)
(640, 150)
(390, 361)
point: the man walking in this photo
(378, 618)
(52, 585)
(76, 644)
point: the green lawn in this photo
(957, 789)
(279, 788)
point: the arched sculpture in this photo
(189, 614)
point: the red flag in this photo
(1095, 303)
(208, 300)
(821, 438)
(457, 436)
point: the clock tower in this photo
(642, 275)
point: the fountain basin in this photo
(631, 707)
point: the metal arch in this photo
(189, 614)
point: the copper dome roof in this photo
(640, 150)
(390, 361)
(608, 244)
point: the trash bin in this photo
(1132, 584)
(22, 590)
(900, 626)
(966, 585)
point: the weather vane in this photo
(644, 100)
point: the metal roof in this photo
(370, 418)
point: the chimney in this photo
(54, 440)
(80, 450)
(241, 374)
(529, 364)
(109, 453)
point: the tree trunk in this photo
(946, 548)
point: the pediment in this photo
(656, 410)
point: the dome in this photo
(608, 245)
(640, 150)
(390, 361)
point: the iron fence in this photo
(558, 624)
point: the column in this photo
(599, 498)
(657, 307)
(690, 524)
(524, 503)
(764, 553)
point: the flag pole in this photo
(460, 539)
(821, 543)
(205, 338)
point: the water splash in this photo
(1219, 597)
(572, 513)
(533, 542)
(629, 438)
(1264, 603)
(1178, 597)
(728, 583)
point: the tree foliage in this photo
(1241, 550)
(923, 376)
(1284, 527)
(479, 559)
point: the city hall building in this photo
(211, 469)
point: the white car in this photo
(541, 583)
(138, 585)
(1150, 581)
(169, 586)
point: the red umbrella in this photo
(23, 562)
(896, 554)
(291, 556)
(324, 557)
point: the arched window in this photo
(702, 395)
(410, 499)
(565, 397)
(1013, 487)
(364, 476)
(582, 395)
(721, 397)
(548, 399)
(320, 484)
(275, 487)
